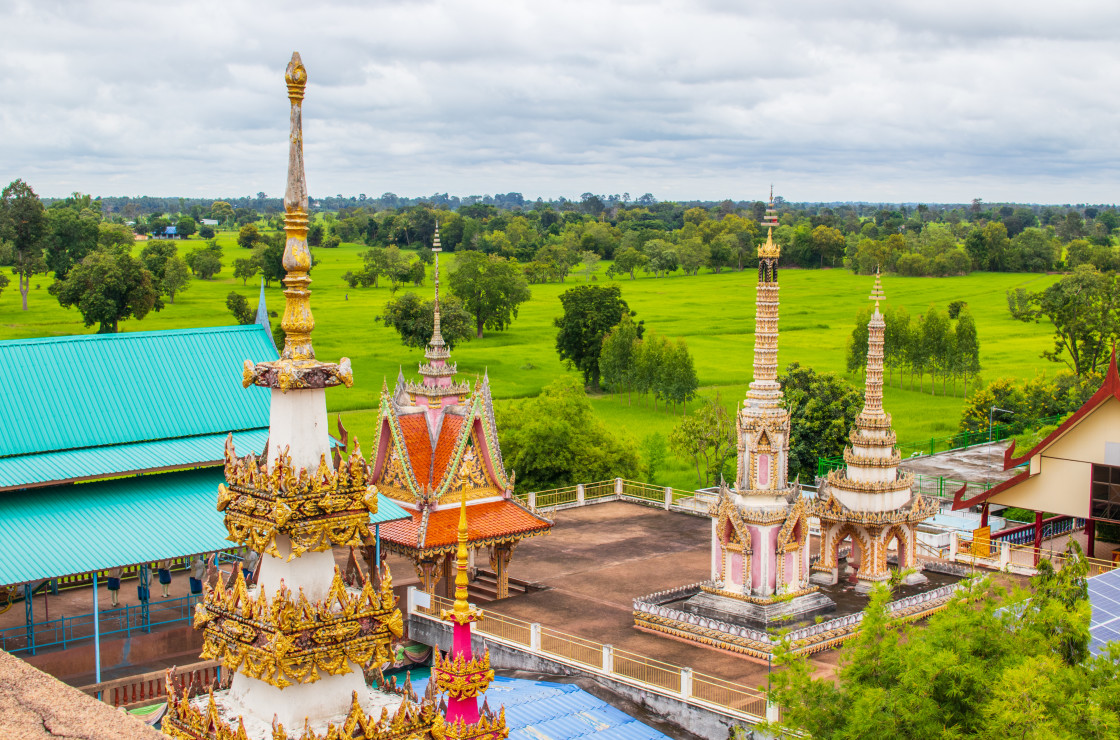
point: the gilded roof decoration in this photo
(289, 639)
(317, 509)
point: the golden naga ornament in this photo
(490, 726)
(316, 509)
(289, 639)
(460, 678)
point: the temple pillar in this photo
(1037, 535)
(430, 572)
(984, 515)
(500, 556)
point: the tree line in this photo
(930, 344)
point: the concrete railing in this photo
(711, 693)
(617, 489)
(146, 689)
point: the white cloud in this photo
(875, 100)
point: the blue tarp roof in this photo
(89, 526)
(542, 710)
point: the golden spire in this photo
(297, 366)
(298, 321)
(768, 249)
(462, 607)
(877, 291)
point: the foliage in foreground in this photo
(555, 440)
(1028, 401)
(976, 670)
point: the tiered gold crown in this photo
(317, 509)
(289, 639)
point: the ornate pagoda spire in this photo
(460, 675)
(297, 367)
(763, 421)
(437, 353)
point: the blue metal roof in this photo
(110, 389)
(1104, 597)
(20, 471)
(542, 710)
(88, 526)
(387, 511)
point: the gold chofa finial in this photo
(296, 77)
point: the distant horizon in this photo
(874, 102)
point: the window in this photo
(1105, 493)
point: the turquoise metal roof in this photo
(88, 526)
(387, 511)
(20, 471)
(110, 389)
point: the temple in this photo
(760, 531)
(437, 443)
(870, 501)
(295, 646)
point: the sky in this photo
(876, 100)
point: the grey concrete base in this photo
(698, 721)
(822, 578)
(915, 579)
(750, 614)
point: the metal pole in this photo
(29, 615)
(96, 636)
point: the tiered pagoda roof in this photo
(438, 443)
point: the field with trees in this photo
(683, 273)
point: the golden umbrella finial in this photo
(462, 607)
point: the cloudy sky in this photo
(892, 100)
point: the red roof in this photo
(490, 522)
(445, 447)
(414, 428)
(1109, 389)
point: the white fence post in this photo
(686, 683)
(668, 497)
(535, 637)
(1004, 555)
(579, 494)
(608, 659)
(532, 500)
(954, 544)
(617, 486)
(772, 714)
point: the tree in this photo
(414, 320)
(185, 227)
(71, 235)
(827, 242)
(204, 263)
(1084, 309)
(3, 282)
(616, 359)
(222, 211)
(693, 254)
(589, 313)
(706, 435)
(626, 262)
(653, 454)
(269, 254)
(490, 287)
(238, 305)
(556, 440)
(974, 670)
(248, 236)
(23, 222)
(115, 237)
(823, 409)
(966, 348)
(107, 288)
(245, 269)
(589, 260)
(176, 277)
(678, 379)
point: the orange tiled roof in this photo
(489, 522)
(445, 447)
(414, 428)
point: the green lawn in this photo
(713, 313)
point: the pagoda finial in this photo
(768, 249)
(437, 336)
(462, 607)
(298, 321)
(873, 383)
(877, 291)
(297, 367)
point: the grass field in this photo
(713, 313)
